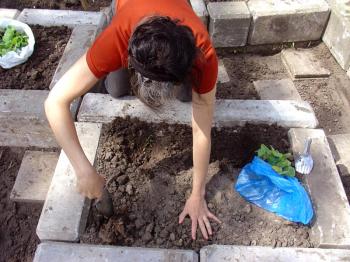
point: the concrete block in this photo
(67, 18)
(218, 253)
(23, 120)
(103, 109)
(229, 23)
(65, 211)
(337, 38)
(348, 73)
(340, 146)
(282, 89)
(79, 42)
(9, 13)
(303, 64)
(281, 21)
(331, 227)
(200, 9)
(222, 74)
(34, 176)
(58, 252)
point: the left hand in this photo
(196, 208)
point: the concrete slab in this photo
(222, 73)
(282, 89)
(229, 23)
(340, 146)
(34, 176)
(79, 42)
(331, 228)
(9, 13)
(68, 18)
(23, 120)
(218, 253)
(65, 211)
(302, 64)
(201, 11)
(58, 252)
(337, 38)
(287, 20)
(103, 109)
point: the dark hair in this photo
(161, 50)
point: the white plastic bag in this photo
(13, 58)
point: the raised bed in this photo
(38, 71)
(149, 172)
(93, 5)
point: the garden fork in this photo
(304, 162)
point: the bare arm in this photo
(196, 207)
(75, 82)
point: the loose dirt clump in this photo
(18, 240)
(93, 5)
(148, 169)
(37, 72)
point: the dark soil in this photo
(18, 239)
(148, 170)
(93, 5)
(37, 72)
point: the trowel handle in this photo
(307, 147)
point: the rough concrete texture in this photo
(217, 253)
(302, 64)
(222, 73)
(337, 38)
(68, 18)
(79, 42)
(287, 20)
(23, 120)
(65, 211)
(58, 252)
(34, 176)
(229, 23)
(348, 73)
(340, 146)
(103, 109)
(331, 227)
(9, 13)
(282, 89)
(200, 9)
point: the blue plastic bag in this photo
(261, 185)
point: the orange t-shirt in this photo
(109, 52)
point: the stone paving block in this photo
(79, 42)
(103, 109)
(331, 227)
(282, 89)
(68, 18)
(337, 38)
(222, 74)
(219, 253)
(340, 146)
(34, 176)
(229, 23)
(58, 252)
(303, 64)
(9, 13)
(287, 20)
(65, 211)
(200, 9)
(23, 120)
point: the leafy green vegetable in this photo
(279, 161)
(11, 40)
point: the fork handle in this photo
(307, 147)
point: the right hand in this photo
(90, 184)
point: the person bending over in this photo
(159, 49)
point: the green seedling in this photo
(279, 161)
(11, 40)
